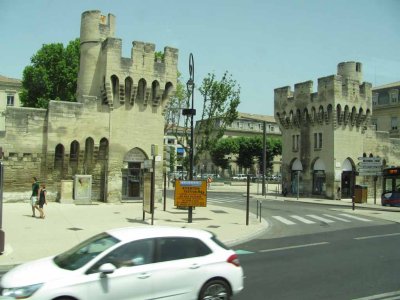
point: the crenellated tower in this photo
(317, 127)
(120, 81)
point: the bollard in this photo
(257, 210)
(353, 202)
(260, 210)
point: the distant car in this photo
(240, 177)
(132, 263)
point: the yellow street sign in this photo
(191, 193)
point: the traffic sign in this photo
(365, 173)
(370, 164)
(370, 159)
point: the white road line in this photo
(294, 247)
(381, 296)
(356, 218)
(304, 220)
(320, 219)
(283, 220)
(376, 236)
(337, 218)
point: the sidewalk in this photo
(28, 238)
(65, 225)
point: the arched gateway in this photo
(132, 174)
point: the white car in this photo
(132, 263)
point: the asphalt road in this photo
(317, 252)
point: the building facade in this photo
(107, 133)
(325, 133)
(9, 96)
(386, 108)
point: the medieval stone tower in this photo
(107, 134)
(323, 133)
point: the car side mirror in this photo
(106, 269)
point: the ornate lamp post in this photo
(190, 112)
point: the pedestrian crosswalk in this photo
(317, 219)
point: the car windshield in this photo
(84, 252)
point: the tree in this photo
(221, 150)
(247, 149)
(220, 101)
(52, 75)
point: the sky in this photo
(263, 44)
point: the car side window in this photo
(174, 248)
(128, 255)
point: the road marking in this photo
(241, 252)
(321, 219)
(376, 236)
(304, 220)
(356, 218)
(294, 247)
(283, 220)
(337, 218)
(382, 296)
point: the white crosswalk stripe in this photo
(356, 218)
(337, 218)
(320, 219)
(310, 219)
(284, 220)
(304, 220)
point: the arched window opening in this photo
(155, 88)
(59, 157)
(103, 149)
(115, 87)
(74, 151)
(167, 91)
(141, 90)
(88, 159)
(128, 89)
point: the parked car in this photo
(239, 177)
(132, 263)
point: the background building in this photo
(386, 108)
(246, 125)
(9, 96)
(107, 133)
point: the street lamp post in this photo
(190, 112)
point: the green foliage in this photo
(220, 101)
(221, 150)
(158, 55)
(52, 75)
(246, 149)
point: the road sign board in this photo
(370, 159)
(369, 170)
(370, 173)
(370, 164)
(191, 193)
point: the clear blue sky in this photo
(264, 44)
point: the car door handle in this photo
(195, 266)
(144, 275)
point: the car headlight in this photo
(22, 292)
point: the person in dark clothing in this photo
(42, 200)
(34, 195)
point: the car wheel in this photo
(215, 290)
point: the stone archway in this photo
(348, 178)
(319, 177)
(132, 174)
(296, 177)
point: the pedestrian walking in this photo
(34, 195)
(42, 200)
(338, 193)
(209, 180)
